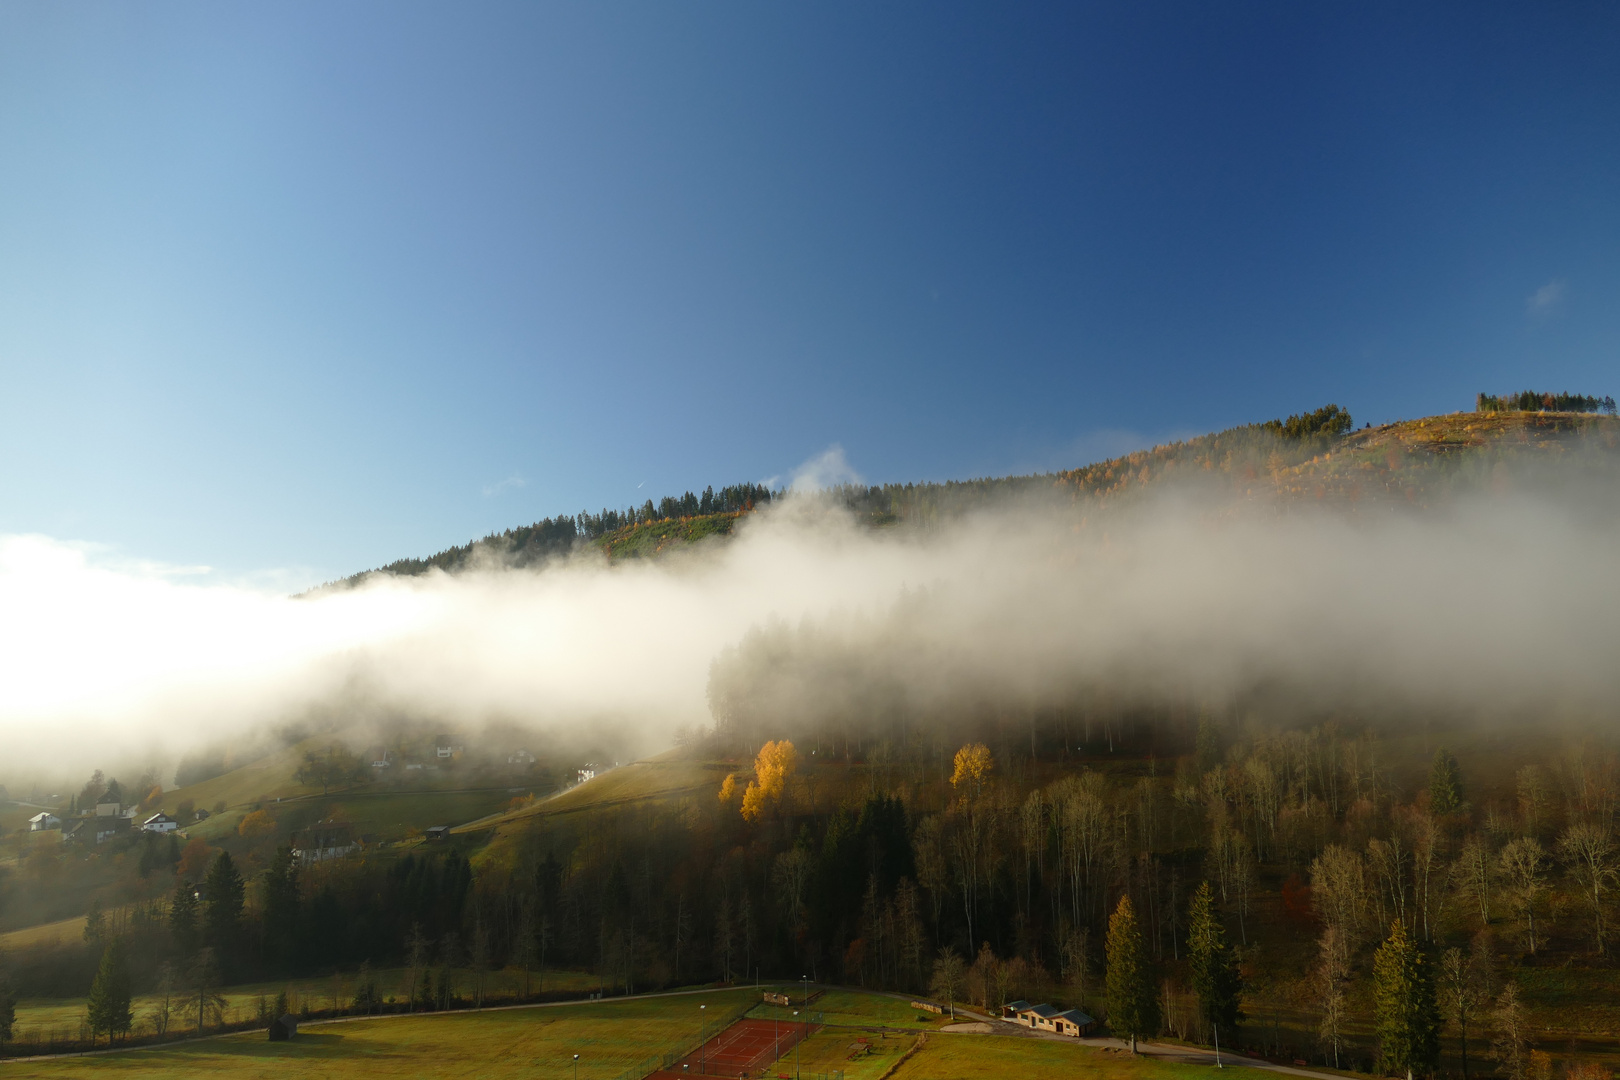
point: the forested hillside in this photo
(1313, 455)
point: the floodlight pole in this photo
(703, 1044)
(796, 1053)
(1216, 1028)
(576, 1067)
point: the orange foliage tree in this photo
(775, 764)
(973, 764)
(256, 825)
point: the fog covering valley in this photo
(1492, 597)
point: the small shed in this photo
(283, 1028)
(437, 832)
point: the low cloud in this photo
(1480, 607)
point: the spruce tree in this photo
(1408, 1017)
(223, 900)
(110, 994)
(8, 1011)
(1132, 1004)
(281, 906)
(1445, 784)
(1215, 975)
(183, 919)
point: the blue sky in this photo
(313, 287)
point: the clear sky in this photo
(310, 287)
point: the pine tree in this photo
(1132, 1004)
(110, 994)
(1403, 993)
(1215, 975)
(1445, 784)
(8, 1011)
(281, 906)
(222, 917)
(183, 918)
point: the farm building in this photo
(160, 823)
(41, 822)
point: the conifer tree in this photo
(1132, 1004)
(1408, 1017)
(183, 918)
(222, 918)
(1445, 784)
(1215, 975)
(110, 994)
(8, 1010)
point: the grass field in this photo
(493, 1045)
(853, 1009)
(972, 1057)
(61, 931)
(837, 1048)
(664, 776)
(65, 1015)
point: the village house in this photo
(110, 805)
(519, 757)
(447, 747)
(41, 822)
(588, 772)
(160, 823)
(380, 758)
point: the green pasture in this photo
(851, 1008)
(64, 1016)
(491, 1045)
(973, 1057)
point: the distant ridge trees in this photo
(1541, 401)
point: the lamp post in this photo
(796, 1052)
(806, 979)
(1216, 1028)
(703, 1041)
(576, 1067)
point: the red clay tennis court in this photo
(746, 1048)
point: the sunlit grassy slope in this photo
(666, 776)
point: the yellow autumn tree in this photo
(973, 764)
(728, 788)
(775, 764)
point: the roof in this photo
(157, 817)
(1075, 1016)
(1017, 1006)
(42, 816)
(1045, 1012)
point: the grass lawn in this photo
(832, 1049)
(971, 1057)
(540, 1042)
(853, 1009)
(63, 1015)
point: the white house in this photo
(41, 822)
(587, 773)
(160, 823)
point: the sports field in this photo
(743, 1049)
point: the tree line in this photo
(1542, 401)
